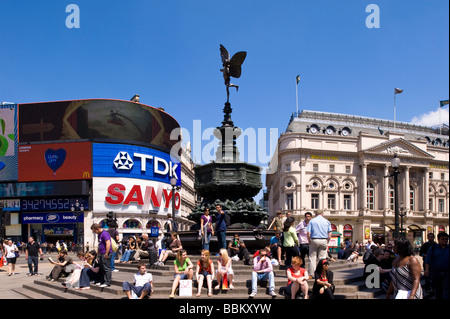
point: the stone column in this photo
(386, 187)
(406, 188)
(426, 186)
(322, 199)
(303, 184)
(364, 186)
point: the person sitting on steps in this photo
(173, 248)
(143, 283)
(224, 268)
(205, 269)
(184, 269)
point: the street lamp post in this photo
(77, 210)
(402, 214)
(395, 165)
(173, 183)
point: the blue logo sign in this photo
(131, 161)
(154, 231)
(52, 218)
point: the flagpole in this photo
(440, 123)
(296, 94)
(394, 110)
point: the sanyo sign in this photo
(130, 161)
(133, 196)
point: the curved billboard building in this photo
(76, 161)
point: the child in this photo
(205, 269)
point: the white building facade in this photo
(338, 163)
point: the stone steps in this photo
(347, 279)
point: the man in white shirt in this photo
(143, 284)
(302, 235)
(319, 234)
(369, 243)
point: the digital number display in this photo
(51, 204)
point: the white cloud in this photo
(431, 118)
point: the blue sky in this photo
(168, 52)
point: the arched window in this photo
(370, 196)
(411, 198)
(104, 224)
(153, 223)
(132, 224)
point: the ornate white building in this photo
(188, 193)
(339, 163)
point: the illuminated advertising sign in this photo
(10, 204)
(50, 218)
(130, 161)
(52, 204)
(96, 119)
(49, 188)
(8, 142)
(133, 196)
(55, 161)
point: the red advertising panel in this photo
(55, 161)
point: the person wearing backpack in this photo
(171, 225)
(104, 254)
(114, 240)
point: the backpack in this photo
(112, 233)
(174, 225)
(114, 245)
(367, 256)
(167, 241)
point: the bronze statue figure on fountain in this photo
(231, 67)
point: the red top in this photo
(208, 269)
(299, 275)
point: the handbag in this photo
(114, 245)
(403, 294)
(16, 254)
(185, 288)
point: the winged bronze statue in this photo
(231, 67)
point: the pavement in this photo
(8, 283)
(20, 278)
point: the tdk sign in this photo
(120, 160)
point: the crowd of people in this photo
(398, 269)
